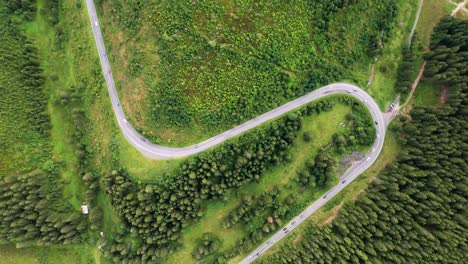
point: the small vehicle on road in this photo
(376, 122)
(343, 182)
(392, 105)
(284, 229)
(125, 121)
(373, 150)
(96, 23)
(368, 158)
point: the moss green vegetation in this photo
(189, 70)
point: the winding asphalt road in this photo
(154, 151)
(161, 152)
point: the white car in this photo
(125, 120)
(368, 158)
(373, 150)
(96, 23)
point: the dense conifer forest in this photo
(416, 212)
(32, 209)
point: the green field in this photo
(187, 71)
(49, 255)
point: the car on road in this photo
(284, 229)
(125, 121)
(96, 23)
(376, 122)
(392, 105)
(343, 181)
(368, 158)
(373, 150)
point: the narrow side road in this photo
(410, 38)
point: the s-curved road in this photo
(160, 152)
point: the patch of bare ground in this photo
(460, 8)
(371, 77)
(298, 239)
(334, 214)
(443, 95)
(289, 73)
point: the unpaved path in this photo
(415, 22)
(460, 6)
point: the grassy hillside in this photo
(188, 70)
